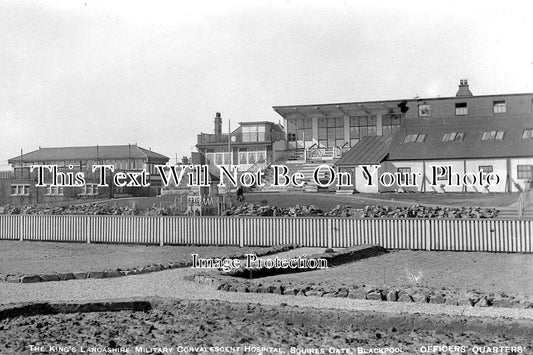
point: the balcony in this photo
(236, 138)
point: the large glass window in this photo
(253, 133)
(331, 131)
(362, 126)
(300, 132)
(391, 123)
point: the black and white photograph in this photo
(295, 177)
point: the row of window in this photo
(24, 190)
(87, 164)
(459, 136)
(253, 133)
(331, 129)
(461, 108)
(244, 157)
(522, 172)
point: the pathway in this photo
(172, 284)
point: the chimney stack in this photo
(464, 90)
(218, 124)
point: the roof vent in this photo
(464, 90)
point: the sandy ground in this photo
(460, 271)
(201, 317)
(30, 257)
(174, 284)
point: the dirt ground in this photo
(461, 271)
(197, 327)
(29, 257)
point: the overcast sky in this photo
(154, 73)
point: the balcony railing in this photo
(257, 137)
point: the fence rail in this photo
(491, 235)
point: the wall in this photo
(458, 167)
(477, 106)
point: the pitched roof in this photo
(103, 152)
(369, 150)
(512, 145)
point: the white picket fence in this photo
(493, 235)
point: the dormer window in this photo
(492, 135)
(527, 133)
(499, 106)
(453, 137)
(412, 138)
(424, 110)
(461, 109)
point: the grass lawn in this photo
(48, 257)
(489, 272)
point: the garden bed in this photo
(200, 326)
(306, 263)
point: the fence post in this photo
(330, 234)
(427, 229)
(21, 228)
(241, 232)
(87, 229)
(161, 231)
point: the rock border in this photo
(364, 292)
(105, 274)
(44, 308)
(331, 257)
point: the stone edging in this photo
(26, 278)
(42, 308)
(331, 257)
(391, 294)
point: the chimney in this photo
(463, 89)
(218, 124)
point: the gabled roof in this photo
(369, 150)
(512, 145)
(103, 152)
